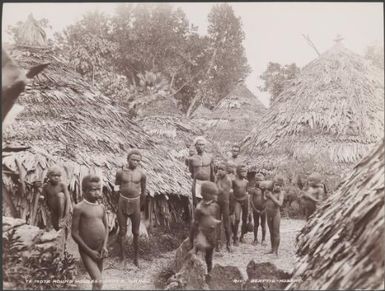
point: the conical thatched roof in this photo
(77, 125)
(342, 246)
(234, 116)
(201, 112)
(31, 33)
(334, 110)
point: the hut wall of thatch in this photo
(68, 122)
(342, 245)
(332, 113)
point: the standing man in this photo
(132, 193)
(201, 168)
(234, 161)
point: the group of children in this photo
(89, 219)
(230, 199)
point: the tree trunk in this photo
(197, 97)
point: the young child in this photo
(240, 203)
(90, 229)
(57, 197)
(203, 229)
(224, 188)
(131, 181)
(314, 194)
(273, 205)
(258, 206)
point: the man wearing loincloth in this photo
(132, 193)
(201, 168)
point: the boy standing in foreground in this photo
(90, 229)
(203, 230)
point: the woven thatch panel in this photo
(334, 109)
(343, 244)
(74, 123)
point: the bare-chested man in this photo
(273, 212)
(234, 161)
(240, 203)
(224, 185)
(57, 197)
(90, 229)
(201, 168)
(258, 206)
(314, 194)
(132, 193)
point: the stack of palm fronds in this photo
(343, 244)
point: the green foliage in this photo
(43, 269)
(118, 53)
(230, 63)
(276, 76)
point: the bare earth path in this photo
(131, 278)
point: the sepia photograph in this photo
(193, 146)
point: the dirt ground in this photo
(118, 277)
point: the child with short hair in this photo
(258, 207)
(273, 214)
(314, 194)
(203, 229)
(90, 229)
(240, 203)
(224, 184)
(57, 197)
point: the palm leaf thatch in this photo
(332, 112)
(164, 122)
(201, 112)
(235, 115)
(175, 133)
(78, 127)
(342, 245)
(30, 33)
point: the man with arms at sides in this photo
(132, 193)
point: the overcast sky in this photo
(273, 31)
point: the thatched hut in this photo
(67, 121)
(30, 33)
(235, 115)
(342, 246)
(231, 120)
(331, 114)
